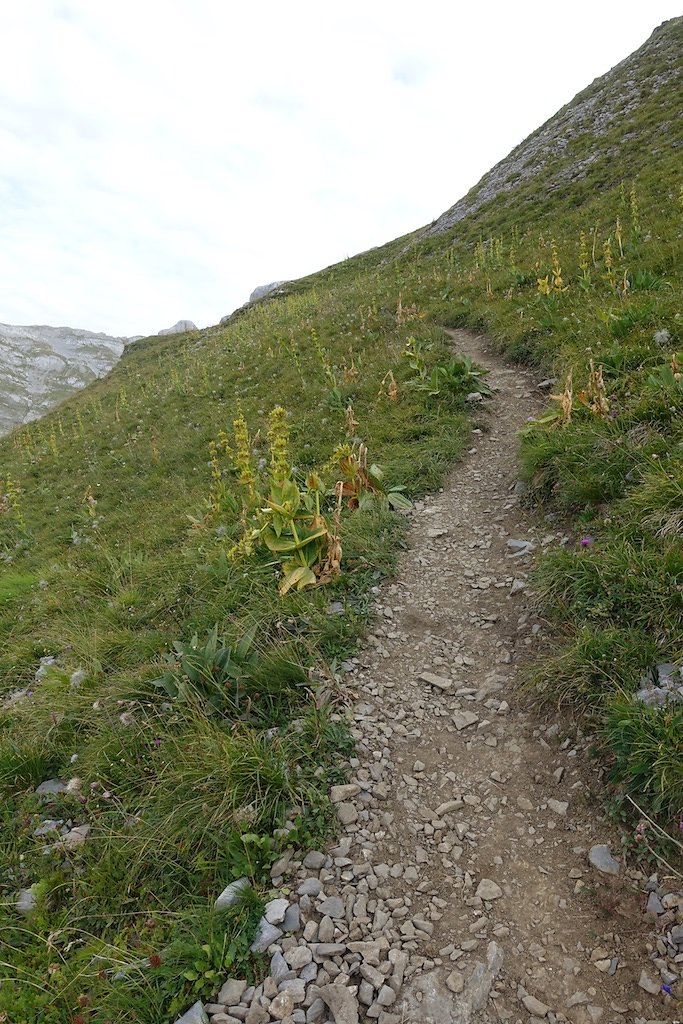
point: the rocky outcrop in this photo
(40, 366)
(180, 327)
(258, 293)
(264, 289)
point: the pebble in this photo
(74, 839)
(332, 907)
(297, 957)
(342, 793)
(463, 719)
(51, 787)
(439, 682)
(535, 1006)
(25, 901)
(654, 904)
(314, 860)
(455, 982)
(341, 1002)
(347, 813)
(195, 1015)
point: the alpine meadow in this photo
(190, 549)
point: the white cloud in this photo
(161, 159)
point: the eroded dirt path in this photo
(476, 788)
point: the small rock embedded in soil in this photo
(455, 982)
(648, 984)
(25, 902)
(463, 719)
(439, 682)
(601, 859)
(231, 894)
(535, 1006)
(489, 890)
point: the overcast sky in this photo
(158, 160)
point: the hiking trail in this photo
(461, 891)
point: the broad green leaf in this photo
(298, 577)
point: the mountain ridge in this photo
(585, 118)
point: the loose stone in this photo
(342, 1004)
(489, 890)
(231, 992)
(275, 911)
(535, 1006)
(601, 859)
(648, 984)
(347, 813)
(341, 793)
(195, 1015)
(266, 935)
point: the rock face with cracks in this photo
(40, 366)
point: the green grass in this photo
(110, 556)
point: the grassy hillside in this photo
(193, 712)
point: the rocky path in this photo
(462, 890)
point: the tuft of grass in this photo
(646, 745)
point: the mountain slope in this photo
(191, 713)
(617, 124)
(40, 366)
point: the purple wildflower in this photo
(586, 542)
(157, 742)
(667, 989)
